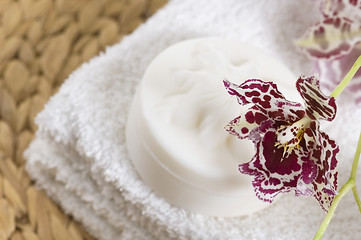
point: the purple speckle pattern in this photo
(291, 151)
(334, 42)
(318, 105)
(337, 33)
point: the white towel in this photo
(79, 155)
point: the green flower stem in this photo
(354, 172)
(356, 159)
(355, 194)
(338, 90)
(344, 189)
(349, 185)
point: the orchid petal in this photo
(318, 105)
(245, 124)
(331, 38)
(254, 91)
(323, 153)
(267, 98)
(325, 184)
(333, 71)
(342, 8)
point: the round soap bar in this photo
(175, 131)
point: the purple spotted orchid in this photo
(335, 43)
(292, 153)
(338, 32)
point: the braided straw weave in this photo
(41, 43)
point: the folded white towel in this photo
(79, 155)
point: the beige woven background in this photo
(41, 43)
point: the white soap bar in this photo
(175, 131)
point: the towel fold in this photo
(79, 155)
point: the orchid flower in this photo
(292, 153)
(337, 33)
(335, 42)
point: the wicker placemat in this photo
(41, 43)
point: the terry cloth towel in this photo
(79, 155)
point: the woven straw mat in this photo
(41, 43)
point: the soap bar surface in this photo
(175, 131)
